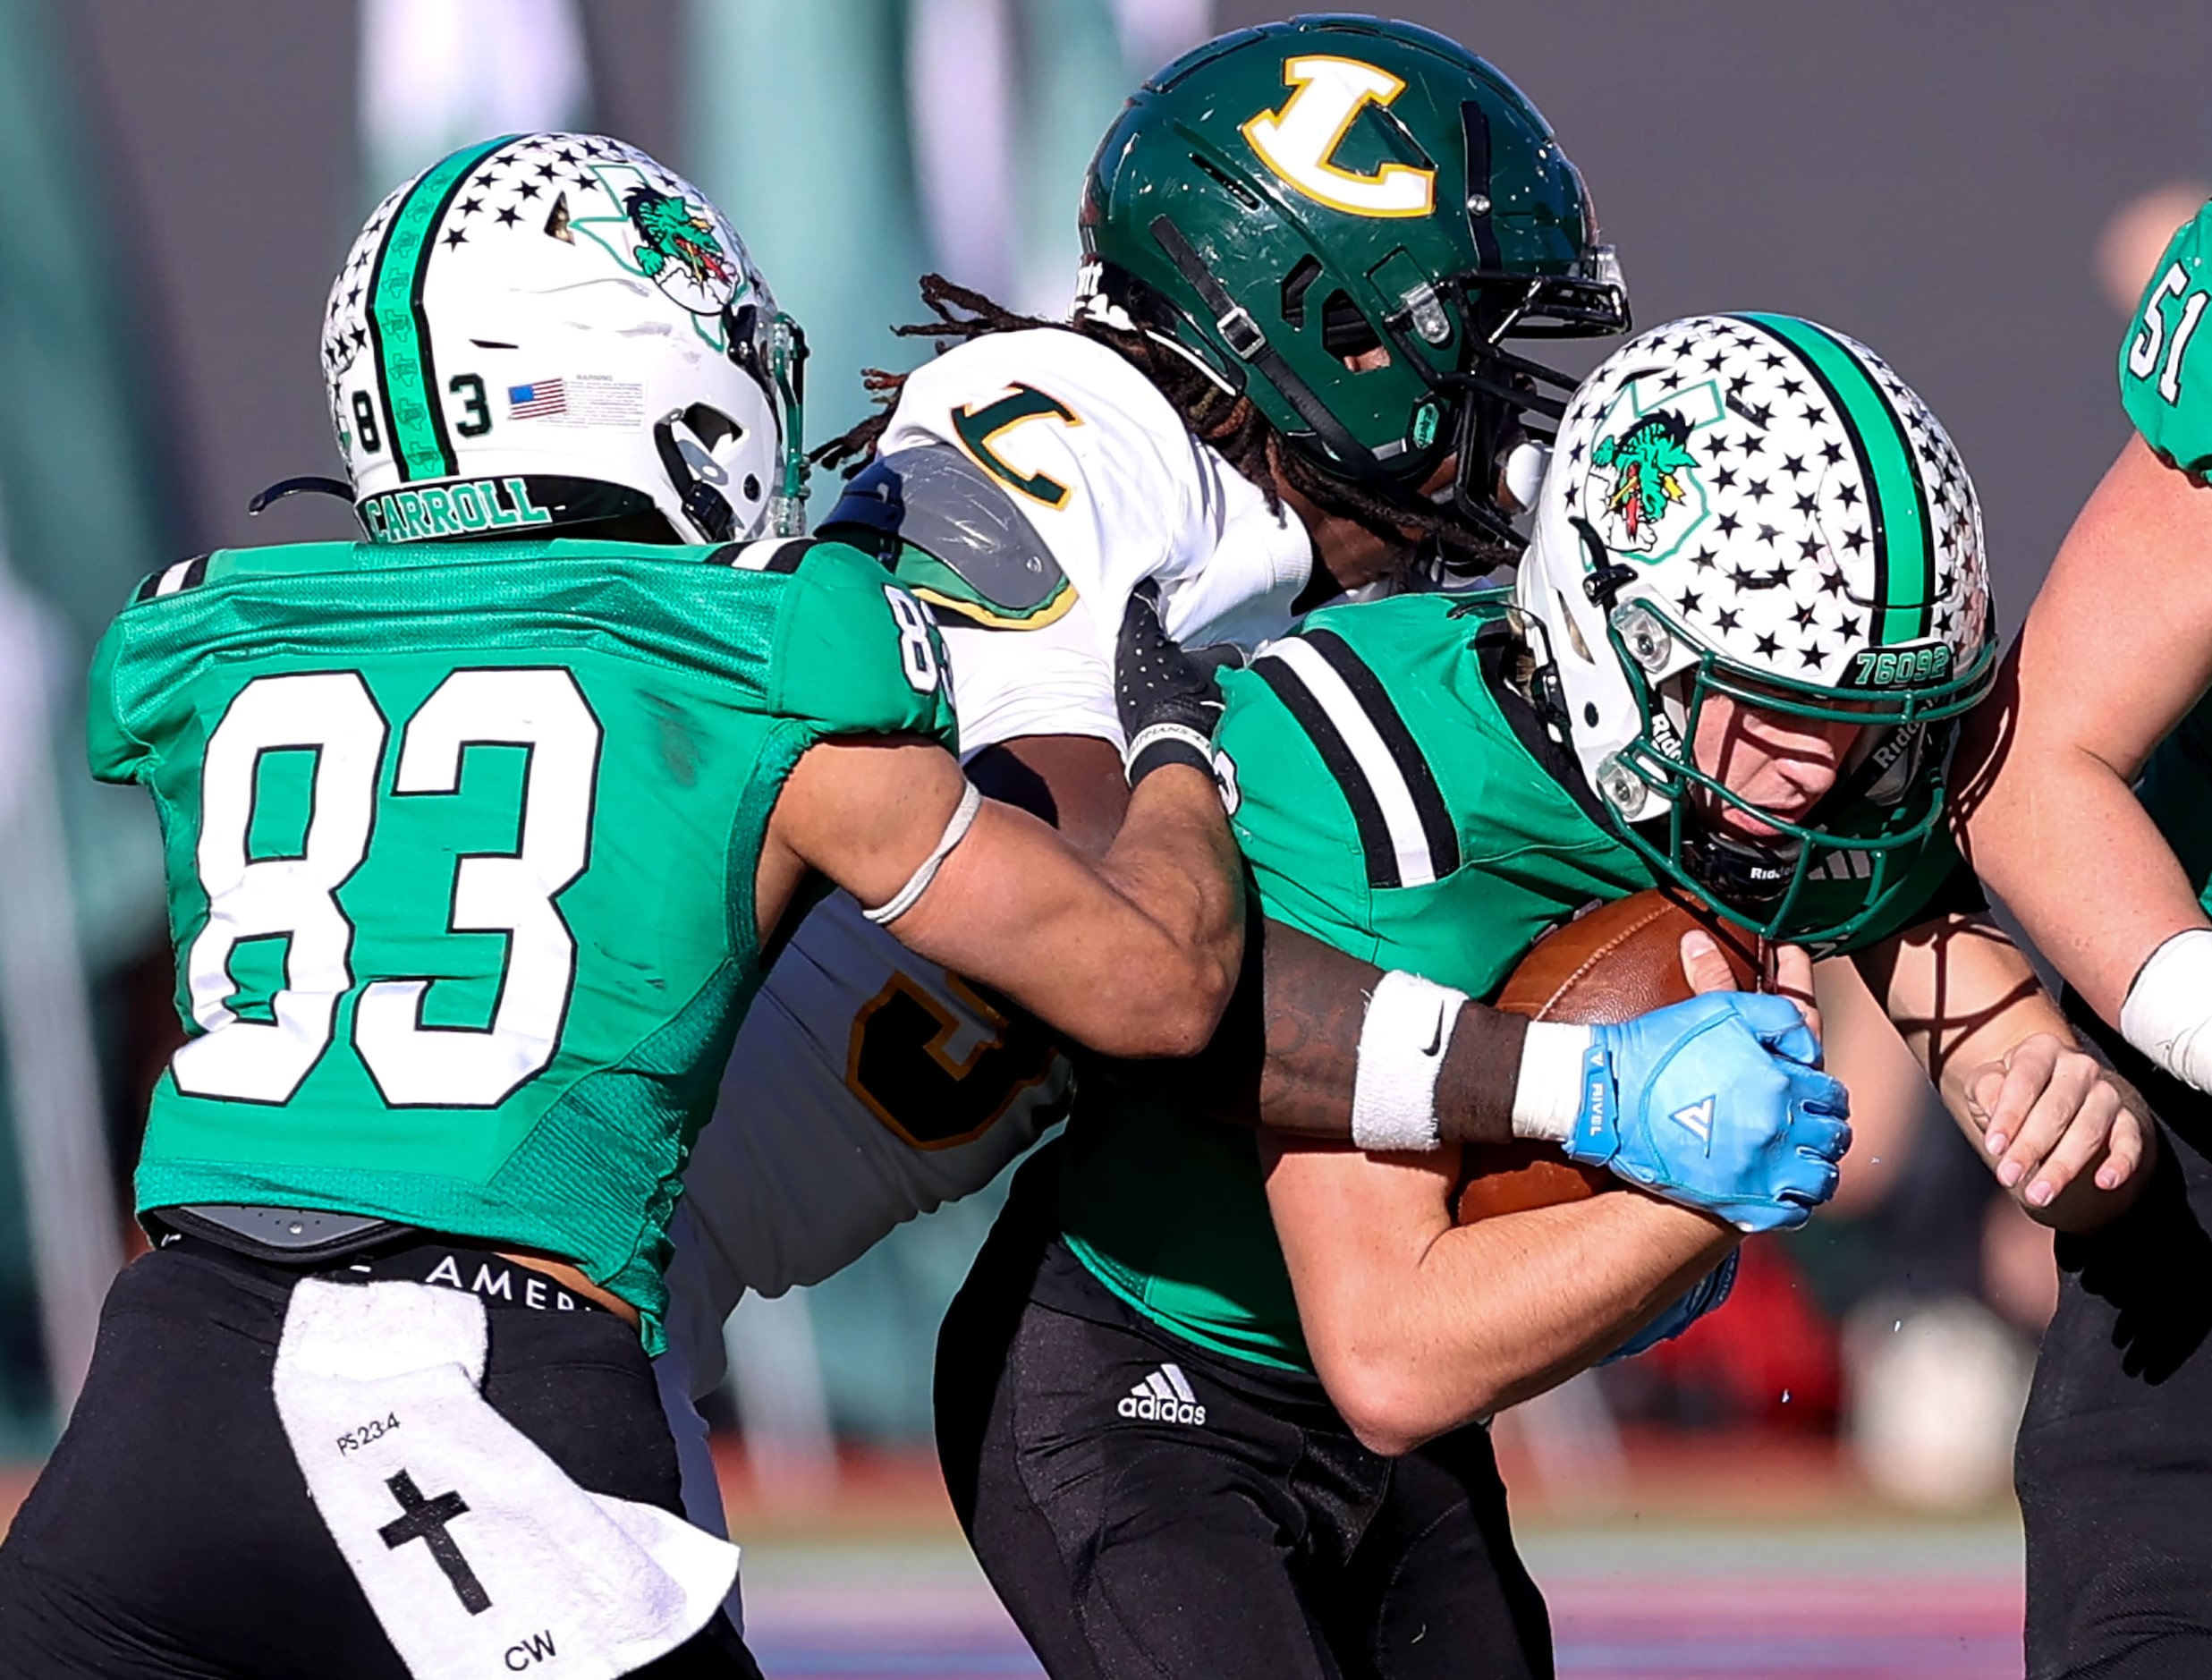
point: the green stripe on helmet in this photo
(1904, 536)
(406, 380)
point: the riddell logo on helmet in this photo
(1165, 1397)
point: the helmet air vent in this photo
(1574, 631)
(1344, 331)
(1229, 183)
(1295, 285)
(1475, 124)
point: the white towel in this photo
(481, 1558)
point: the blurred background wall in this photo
(1974, 188)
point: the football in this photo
(1619, 961)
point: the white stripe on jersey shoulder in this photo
(1408, 841)
(760, 556)
(174, 578)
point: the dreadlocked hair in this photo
(1229, 423)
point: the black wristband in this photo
(1159, 745)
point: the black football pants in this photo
(2115, 1467)
(171, 1534)
(1241, 1532)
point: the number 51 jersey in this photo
(461, 844)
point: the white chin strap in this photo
(2168, 1011)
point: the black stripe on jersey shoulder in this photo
(786, 558)
(184, 575)
(1437, 828)
(1366, 811)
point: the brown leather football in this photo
(1619, 961)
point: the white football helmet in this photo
(553, 330)
(1755, 505)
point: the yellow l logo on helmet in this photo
(1298, 141)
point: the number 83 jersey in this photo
(461, 844)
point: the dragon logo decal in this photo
(679, 252)
(1649, 461)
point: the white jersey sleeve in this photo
(1117, 490)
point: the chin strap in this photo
(1245, 337)
(1736, 871)
(309, 484)
(706, 508)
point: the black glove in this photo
(1168, 698)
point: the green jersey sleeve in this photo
(1300, 842)
(1388, 806)
(858, 655)
(2165, 362)
(117, 754)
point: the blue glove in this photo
(1704, 1296)
(1718, 1104)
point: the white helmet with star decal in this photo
(549, 331)
(1754, 506)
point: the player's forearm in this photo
(1316, 1001)
(1966, 1001)
(1492, 1313)
(1175, 864)
(2116, 649)
(2062, 840)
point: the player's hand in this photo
(1700, 1298)
(1718, 1104)
(2046, 1111)
(1168, 698)
(1790, 976)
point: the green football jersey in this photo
(2165, 362)
(461, 844)
(2165, 385)
(1393, 800)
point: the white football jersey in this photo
(868, 1085)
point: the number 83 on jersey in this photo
(258, 891)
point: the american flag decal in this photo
(528, 402)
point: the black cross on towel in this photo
(426, 1520)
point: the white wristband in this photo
(1402, 1039)
(2169, 1007)
(918, 882)
(1548, 1097)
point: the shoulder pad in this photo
(962, 545)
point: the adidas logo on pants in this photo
(1163, 1398)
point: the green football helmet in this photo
(1287, 197)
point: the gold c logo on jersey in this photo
(978, 429)
(1298, 141)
